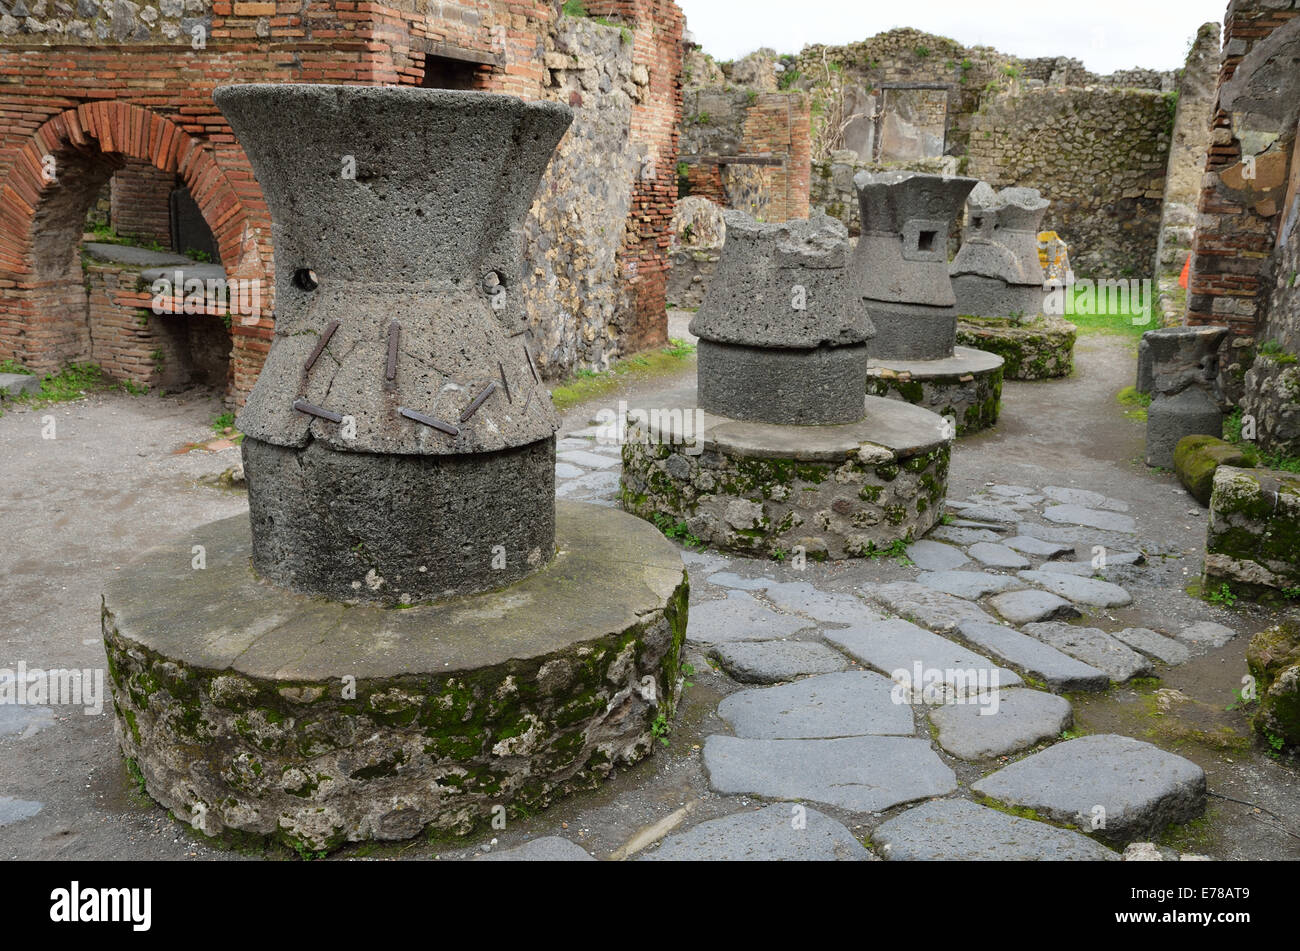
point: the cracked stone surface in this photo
(1041, 661)
(1138, 788)
(1093, 646)
(957, 830)
(781, 832)
(1080, 590)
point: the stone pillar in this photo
(901, 261)
(399, 443)
(783, 329)
(997, 272)
(1179, 367)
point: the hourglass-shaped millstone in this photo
(783, 330)
(901, 261)
(399, 443)
(997, 272)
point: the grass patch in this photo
(77, 381)
(1106, 319)
(589, 384)
(1136, 402)
(10, 366)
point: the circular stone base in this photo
(843, 491)
(1042, 349)
(252, 709)
(821, 385)
(965, 388)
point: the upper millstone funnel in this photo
(901, 261)
(399, 444)
(783, 330)
(997, 272)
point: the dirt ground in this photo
(110, 484)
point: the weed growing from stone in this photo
(1223, 596)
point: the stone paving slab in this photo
(858, 774)
(16, 810)
(729, 579)
(781, 832)
(998, 514)
(962, 536)
(1068, 496)
(1020, 719)
(1093, 646)
(1090, 518)
(930, 608)
(1029, 545)
(899, 645)
(853, 703)
(997, 556)
(769, 662)
(971, 585)
(803, 598)
(935, 556)
(1154, 644)
(565, 471)
(739, 617)
(1139, 787)
(587, 459)
(957, 830)
(1041, 661)
(1024, 607)
(981, 526)
(551, 848)
(1206, 634)
(1080, 590)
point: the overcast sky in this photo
(1106, 34)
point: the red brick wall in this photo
(779, 123)
(91, 107)
(643, 260)
(140, 203)
(1233, 242)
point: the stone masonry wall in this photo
(1099, 155)
(1191, 140)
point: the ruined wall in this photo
(1191, 140)
(1098, 155)
(725, 122)
(832, 184)
(573, 232)
(1241, 201)
(139, 203)
(99, 83)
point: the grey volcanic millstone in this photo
(1139, 788)
(783, 332)
(957, 830)
(997, 272)
(781, 832)
(397, 287)
(901, 261)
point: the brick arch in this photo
(41, 220)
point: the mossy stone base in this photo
(250, 709)
(1274, 661)
(843, 491)
(1253, 537)
(965, 388)
(1039, 349)
(1197, 458)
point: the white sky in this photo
(1106, 34)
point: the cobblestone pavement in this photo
(1030, 681)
